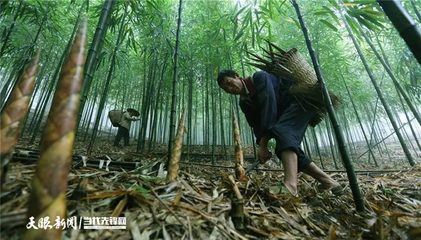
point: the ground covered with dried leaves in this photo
(200, 205)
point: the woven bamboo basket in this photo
(302, 72)
(292, 65)
(115, 117)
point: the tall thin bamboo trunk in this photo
(392, 76)
(166, 122)
(236, 106)
(414, 134)
(159, 100)
(224, 148)
(349, 135)
(148, 101)
(359, 121)
(94, 52)
(359, 202)
(8, 86)
(90, 111)
(190, 108)
(107, 83)
(174, 87)
(24, 61)
(316, 142)
(207, 109)
(13, 115)
(142, 104)
(307, 148)
(12, 25)
(214, 132)
(406, 27)
(380, 94)
(331, 143)
(404, 131)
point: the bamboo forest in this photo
(210, 119)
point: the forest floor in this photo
(199, 205)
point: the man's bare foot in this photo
(292, 188)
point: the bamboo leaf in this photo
(239, 34)
(366, 24)
(106, 195)
(327, 9)
(291, 20)
(264, 9)
(120, 206)
(153, 5)
(329, 25)
(373, 20)
(365, 2)
(332, 14)
(322, 12)
(349, 4)
(247, 18)
(139, 189)
(373, 12)
(240, 11)
(334, 3)
(353, 27)
(234, 31)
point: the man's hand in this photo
(263, 154)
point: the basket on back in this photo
(115, 117)
(292, 65)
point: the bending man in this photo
(273, 112)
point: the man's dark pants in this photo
(122, 133)
(290, 128)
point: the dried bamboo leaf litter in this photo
(201, 201)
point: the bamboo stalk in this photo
(174, 165)
(13, 115)
(403, 22)
(174, 83)
(359, 201)
(239, 158)
(48, 196)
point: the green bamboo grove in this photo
(162, 56)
